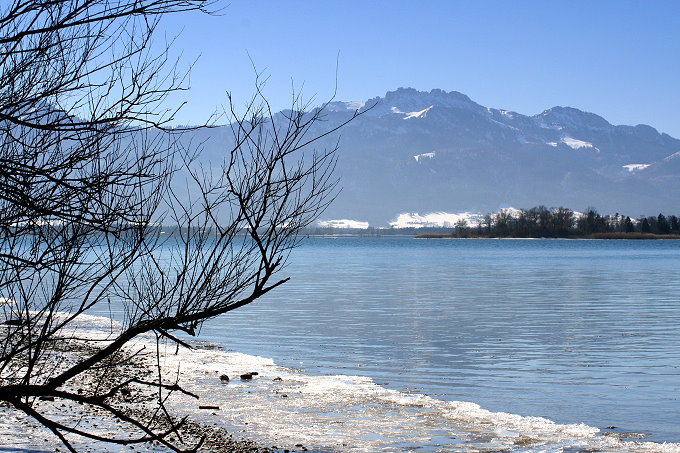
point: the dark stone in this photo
(610, 427)
(277, 379)
(209, 407)
(247, 376)
(224, 378)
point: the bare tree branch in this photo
(89, 171)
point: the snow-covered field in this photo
(416, 220)
(435, 219)
(343, 223)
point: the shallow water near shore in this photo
(575, 331)
(585, 334)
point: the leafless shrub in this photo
(88, 172)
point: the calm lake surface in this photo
(571, 330)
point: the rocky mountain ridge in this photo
(438, 151)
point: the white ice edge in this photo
(343, 412)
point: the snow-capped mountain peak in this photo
(410, 100)
(568, 117)
(439, 151)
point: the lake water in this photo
(573, 331)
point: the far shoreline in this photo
(615, 236)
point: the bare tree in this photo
(88, 172)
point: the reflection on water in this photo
(575, 331)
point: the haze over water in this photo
(574, 331)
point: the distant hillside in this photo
(435, 151)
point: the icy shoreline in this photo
(21, 433)
(284, 408)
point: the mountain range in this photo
(438, 151)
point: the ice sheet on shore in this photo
(286, 407)
(353, 413)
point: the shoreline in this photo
(20, 432)
(594, 236)
(282, 408)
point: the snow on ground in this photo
(343, 223)
(342, 413)
(577, 144)
(504, 125)
(415, 220)
(418, 157)
(512, 212)
(435, 219)
(635, 167)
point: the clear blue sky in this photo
(619, 59)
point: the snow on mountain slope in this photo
(345, 106)
(487, 157)
(435, 219)
(420, 114)
(571, 118)
(635, 167)
(343, 224)
(577, 144)
(454, 155)
(418, 157)
(405, 100)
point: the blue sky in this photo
(619, 59)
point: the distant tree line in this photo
(562, 222)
